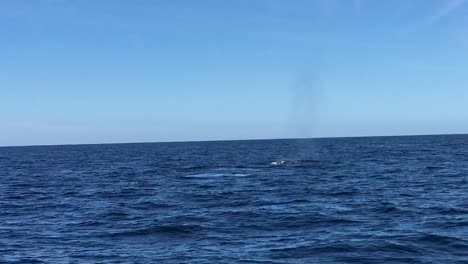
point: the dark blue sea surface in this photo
(342, 200)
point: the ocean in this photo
(335, 200)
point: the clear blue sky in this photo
(130, 71)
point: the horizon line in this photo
(224, 140)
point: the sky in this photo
(109, 71)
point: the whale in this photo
(294, 163)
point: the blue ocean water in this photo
(342, 200)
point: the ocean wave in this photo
(173, 230)
(215, 175)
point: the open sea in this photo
(336, 200)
